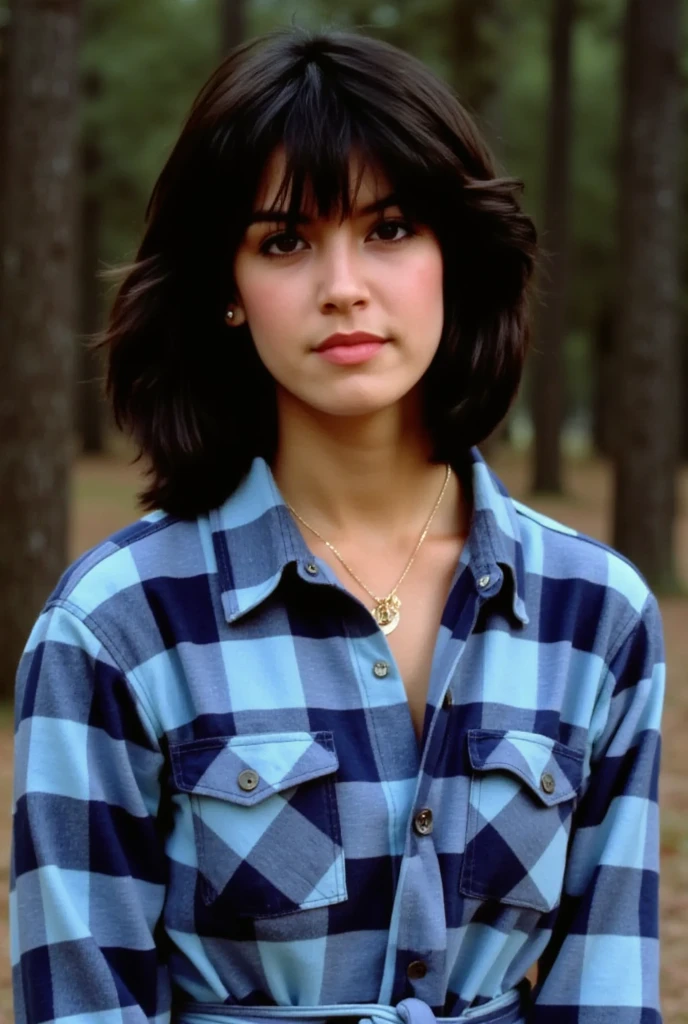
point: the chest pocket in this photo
(522, 795)
(265, 820)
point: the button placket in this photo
(446, 689)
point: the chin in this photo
(371, 403)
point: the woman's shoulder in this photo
(558, 568)
(147, 552)
(579, 569)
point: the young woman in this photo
(338, 730)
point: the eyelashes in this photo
(281, 237)
(286, 237)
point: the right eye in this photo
(284, 242)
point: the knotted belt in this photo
(505, 1009)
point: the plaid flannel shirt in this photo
(221, 804)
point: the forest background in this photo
(584, 100)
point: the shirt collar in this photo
(255, 538)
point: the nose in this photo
(342, 285)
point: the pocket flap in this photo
(552, 771)
(247, 769)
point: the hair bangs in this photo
(324, 166)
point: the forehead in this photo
(366, 181)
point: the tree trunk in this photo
(90, 406)
(4, 43)
(475, 60)
(684, 399)
(477, 30)
(550, 333)
(649, 217)
(603, 383)
(37, 298)
(232, 24)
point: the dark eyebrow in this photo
(271, 216)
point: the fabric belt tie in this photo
(505, 1009)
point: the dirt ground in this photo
(104, 501)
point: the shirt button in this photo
(422, 822)
(381, 669)
(416, 970)
(547, 782)
(312, 568)
(447, 700)
(248, 780)
(483, 582)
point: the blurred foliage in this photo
(144, 62)
(148, 61)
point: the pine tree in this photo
(37, 298)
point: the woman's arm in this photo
(88, 865)
(602, 964)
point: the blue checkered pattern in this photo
(216, 794)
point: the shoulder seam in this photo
(78, 576)
(630, 625)
(120, 661)
(529, 513)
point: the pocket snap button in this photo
(547, 782)
(248, 780)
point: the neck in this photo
(366, 477)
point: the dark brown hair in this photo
(195, 396)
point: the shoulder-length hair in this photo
(193, 394)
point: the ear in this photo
(235, 316)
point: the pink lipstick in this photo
(348, 349)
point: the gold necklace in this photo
(387, 610)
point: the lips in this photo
(357, 338)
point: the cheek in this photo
(273, 315)
(268, 298)
(265, 302)
(264, 310)
(421, 290)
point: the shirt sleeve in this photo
(602, 963)
(88, 867)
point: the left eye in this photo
(388, 229)
(284, 243)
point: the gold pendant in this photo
(387, 614)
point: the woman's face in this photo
(374, 272)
